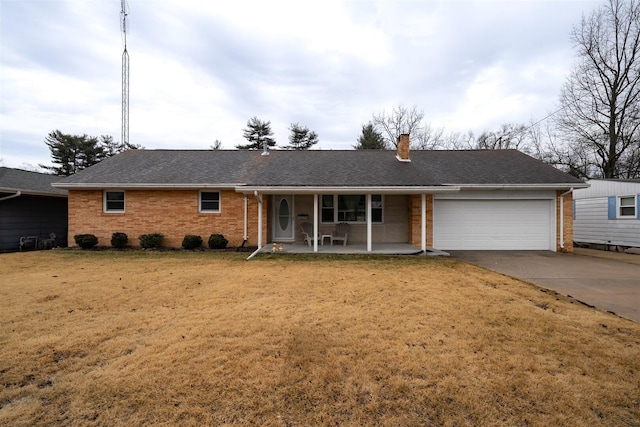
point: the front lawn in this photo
(188, 338)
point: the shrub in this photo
(217, 241)
(153, 240)
(119, 240)
(85, 241)
(191, 241)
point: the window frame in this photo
(335, 208)
(619, 207)
(209, 211)
(105, 202)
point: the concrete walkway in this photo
(609, 281)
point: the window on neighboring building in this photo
(114, 201)
(210, 201)
(350, 208)
(627, 207)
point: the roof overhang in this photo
(250, 189)
(515, 187)
(30, 192)
(145, 186)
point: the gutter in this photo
(350, 190)
(258, 197)
(562, 216)
(18, 194)
(140, 186)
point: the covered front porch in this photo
(352, 249)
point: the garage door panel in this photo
(492, 224)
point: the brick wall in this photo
(173, 213)
(415, 220)
(568, 222)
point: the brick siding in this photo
(173, 213)
(568, 222)
(415, 220)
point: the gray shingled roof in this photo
(12, 180)
(319, 168)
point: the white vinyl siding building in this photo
(608, 213)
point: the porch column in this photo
(368, 222)
(259, 198)
(315, 222)
(423, 222)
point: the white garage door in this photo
(493, 225)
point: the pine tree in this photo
(370, 139)
(301, 138)
(257, 133)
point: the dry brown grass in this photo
(139, 338)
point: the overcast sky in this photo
(201, 69)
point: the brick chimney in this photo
(403, 148)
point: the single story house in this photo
(608, 213)
(479, 199)
(30, 207)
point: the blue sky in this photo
(201, 69)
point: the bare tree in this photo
(428, 138)
(600, 101)
(400, 120)
(509, 136)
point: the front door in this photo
(283, 224)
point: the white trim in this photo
(619, 207)
(351, 190)
(315, 222)
(138, 186)
(209, 211)
(104, 201)
(423, 222)
(369, 222)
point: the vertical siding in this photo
(592, 225)
(32, 216)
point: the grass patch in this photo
(195, 338)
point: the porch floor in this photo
(353, 249)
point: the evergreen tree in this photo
(301, 138)
(370, 139)
(72, 153)
(257, 133)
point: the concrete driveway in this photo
(609, 283)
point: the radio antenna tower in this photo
(125, 76)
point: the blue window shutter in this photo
(638, 206)
(612, 207)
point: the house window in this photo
(350, 208)
(114, 201)
(627, 207)
(210, 201)
(327, 214)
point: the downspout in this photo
(245, 237)
(369, 230)
(18, 194)
(259, 199)
(562, 216)
(423, 222)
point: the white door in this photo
(283, 224)
(493, 225)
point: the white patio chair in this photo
(341, 233)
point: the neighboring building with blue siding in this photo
(608, 213)
(30, 206)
